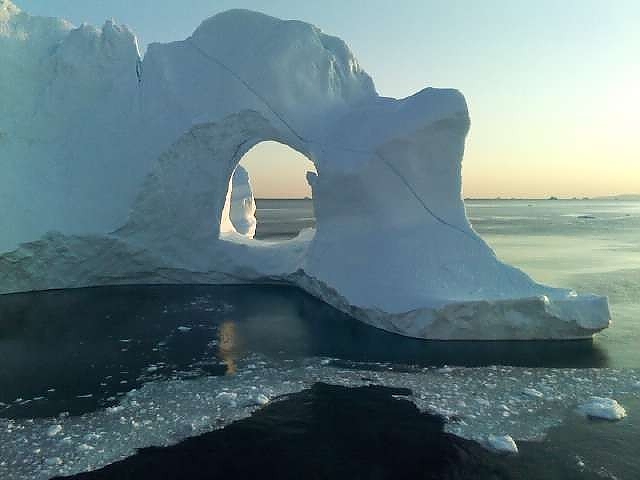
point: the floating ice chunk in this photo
(53, 461)
(532, 392)
(228, 398)
(259, 399)
(502, 444)
(605, 408)
(184, 329)
(446, 369)
(54, 430)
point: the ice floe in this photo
(603, 408)
(480, 403)
(501, 444)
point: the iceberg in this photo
(603, 408)
(502, 444)
(166, 411)
(120, 169)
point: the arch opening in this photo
(269, 197)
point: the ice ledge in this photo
(59, 261)
(529, 318)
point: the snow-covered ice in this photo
(120, 169)
(603, 408)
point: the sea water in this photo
(592, 246)
(87, 376)
(588, 245)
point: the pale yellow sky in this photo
(553, 90)
(566, 138)
(277, 171)
(561, 139)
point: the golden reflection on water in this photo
(226, 345)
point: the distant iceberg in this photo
(118, 169)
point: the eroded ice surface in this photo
(241, 205)
(479, 402)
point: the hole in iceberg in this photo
(269, 197)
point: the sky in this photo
(553, 87)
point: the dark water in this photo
(82, 349)
(72, 354)
(333, 432)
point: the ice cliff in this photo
(118, 169)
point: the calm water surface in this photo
(76, 352)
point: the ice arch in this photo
(186, 198)
(133, 159)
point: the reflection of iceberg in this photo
(146, 149)
(226, 346)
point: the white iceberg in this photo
(119, 170)
(501, 444)
(54, 430)
(603, 408)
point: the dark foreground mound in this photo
(326, 432)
